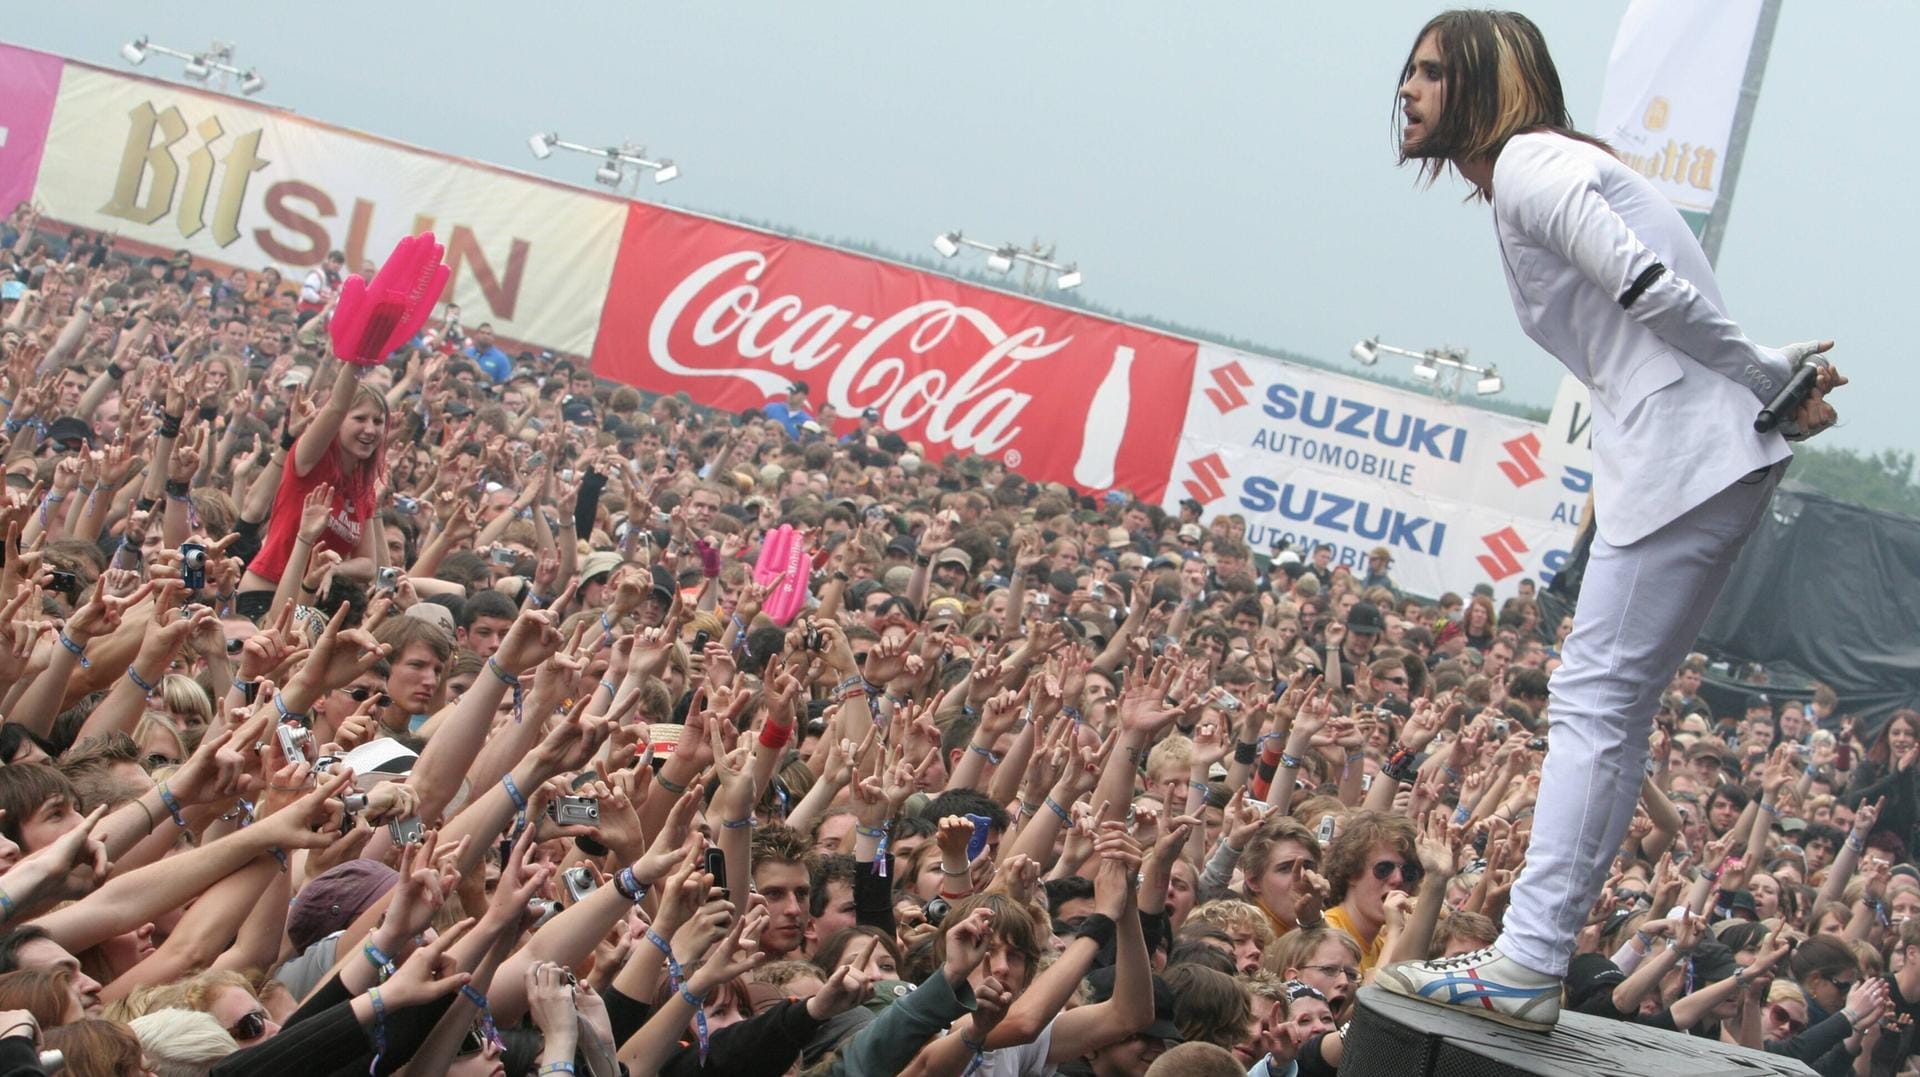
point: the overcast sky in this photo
(1225, 164)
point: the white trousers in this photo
(1641, 606)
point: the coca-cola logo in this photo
(960, 396)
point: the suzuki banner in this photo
(733, 316)
(249, 186)
(1457, 494)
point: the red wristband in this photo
(775, 735)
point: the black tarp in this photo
(1833, 589)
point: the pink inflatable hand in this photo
(371, 320)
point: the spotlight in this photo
(197, 69)
(542, 145)
(1367, 351)
(1426, 370)
(1001, 261)
(608, 174)
(135, 51)
(947, 243)
(1489, 383)
(251, 83)
(666, 172)
(1069, 280)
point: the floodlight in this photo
(1001, 261)
(1489, 383)
(666, 172)
(251, 83)
(1068, 280)
(608, 174)
(947, 243)
(135, 51)
(1426, 370)
(542, 145)
(1367, 351)
(197, 69)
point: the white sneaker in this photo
(1483, 983)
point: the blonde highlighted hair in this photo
(1500, 82)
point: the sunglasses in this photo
(1401, 681)
(360, 694)
(1410, 871)
(471, 1044)
(251, 1026)
(1781, 1016)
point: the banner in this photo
(733, 316)
(29, 82)
(1673, 85)
(245, 185)
(1458, 495)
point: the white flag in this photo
(1673, 86)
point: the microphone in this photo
(1791, 395)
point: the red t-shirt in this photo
(343, 528)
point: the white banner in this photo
(244, 185)
(1457, 494)
(1673, 85)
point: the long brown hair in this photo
(358, 482)
(1500, 82)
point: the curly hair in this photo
(1346, 858)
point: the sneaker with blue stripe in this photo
(1484, 983)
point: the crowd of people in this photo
(428, 717)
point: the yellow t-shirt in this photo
(1369, 948)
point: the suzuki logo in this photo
(1230, 384)
(1522, 464)
(1209, 479)
(1502, 545)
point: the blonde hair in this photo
(1232, 914)
(182, 1043)
(183, 694)
(1176, 748)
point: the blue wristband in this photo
(79, 650)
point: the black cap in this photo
(664, 584)
(1100, 989)
(71, 428)
(1588, 975)
(1365, 617)
(799, 387)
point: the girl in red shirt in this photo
(345, 446)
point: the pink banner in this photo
(29, 83)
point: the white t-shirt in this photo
(1025, 1060)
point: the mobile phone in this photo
(408, 831)
(700, 639)
(1325, 834)
(193, 566)
(502, 555)
(1366, 783)
(574, 811)
(716, 866)
(977, 844)
(579, 882)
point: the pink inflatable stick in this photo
(783, 556)
(371, 320)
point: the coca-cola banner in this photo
(733, 316)
(1458, 495)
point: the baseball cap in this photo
(1191, 533)
(954, 555)
(71, 428)
(1365, 617)
(1100, 989)
(597, 563)
(335, 898)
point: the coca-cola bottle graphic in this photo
(1106, 423)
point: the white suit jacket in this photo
(1607, 277)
